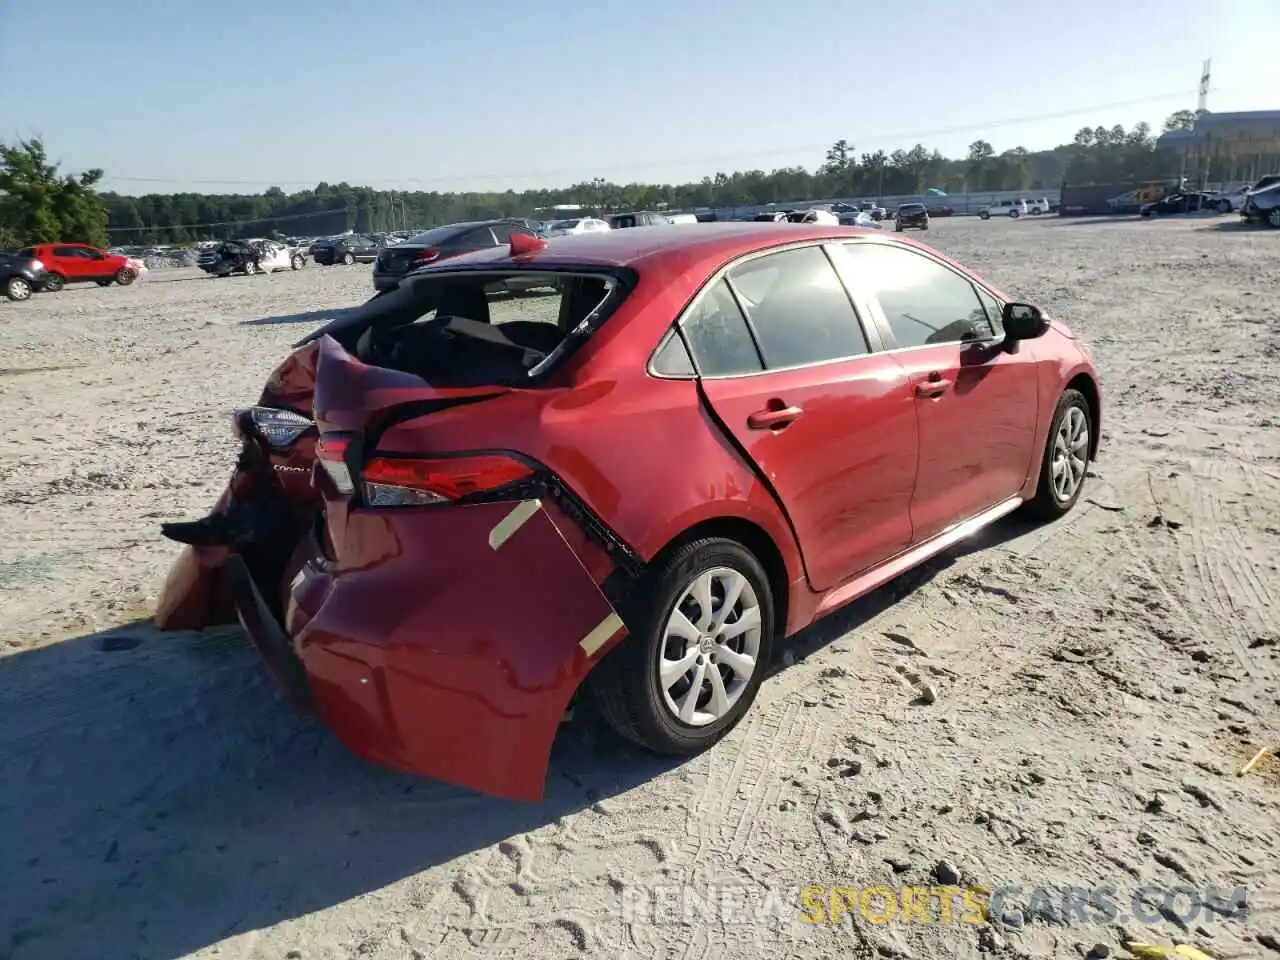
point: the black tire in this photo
(17, 288)
(1047, 504)
(897, 228)
(924, 227)
(1014, 214)
(1273, 218)
(103, 283)
(125, 276)
(625, 687)
(54, 282)
(297, 262)
(1224, 206)
(984, 215)
(348, 259)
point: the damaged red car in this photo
(456, 508)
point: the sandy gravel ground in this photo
(1098, 682)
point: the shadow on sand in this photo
(158, 797)
(311, 316)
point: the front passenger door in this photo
(975, 400)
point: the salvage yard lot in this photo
(1098, 681)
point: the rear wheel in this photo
(54, 282)
(1224, 206)
(984, 215)
(125, 276)
(1066, 458)
(17, 288)
(296, 262)
(701, 637)
(348, 259)
(1015, 213)
(250, 269)
(1273, 218)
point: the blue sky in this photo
(497, 94)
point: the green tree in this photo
(1180, 120)
(39, 205)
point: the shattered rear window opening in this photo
(474, 328)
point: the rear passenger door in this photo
(796, 380)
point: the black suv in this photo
(911, 216)
(441, 243)
(20, 276)
(344, 250)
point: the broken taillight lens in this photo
(415, 482)
(278, 427)
(426, 256)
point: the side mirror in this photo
(1023, 321)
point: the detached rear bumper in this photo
(447, 643)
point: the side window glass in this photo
(672, 359)
(924, 302)
(993, 309)
(718, 335)
(66, 252)
(798, 308)
(502, 233)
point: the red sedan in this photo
(444, 524)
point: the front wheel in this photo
(125, 276)
(984, 215)
(1014, 214)
(17, 288)
(1066, 458)
(700, 640)
(54, 282)
(296, 263)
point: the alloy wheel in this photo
(1070, 453)
(710, 648)
(1273, 218)
(18, 289)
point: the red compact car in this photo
(454, 507)
(80, 263)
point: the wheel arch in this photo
(756, 539)
(1088, 388)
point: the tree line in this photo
(37, 203)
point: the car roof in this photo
(679, 247)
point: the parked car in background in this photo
(911, 216)
(1228, 199)
(346, 249)
(859, 218)
(566, 228)
(256, 255)
(644, 218)
(445, 243)
(770, 216)
(1177, 202)
(481, 541)
(813, 216)
(940, 210)
(877, 212)
(1263, 205)
(1039, 206)
(81, 263)
(1005, 208)
(21, 276)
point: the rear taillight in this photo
(278, 427)
(412, 482)
(426, 256)
(331, 455)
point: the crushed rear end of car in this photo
(441, 594)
